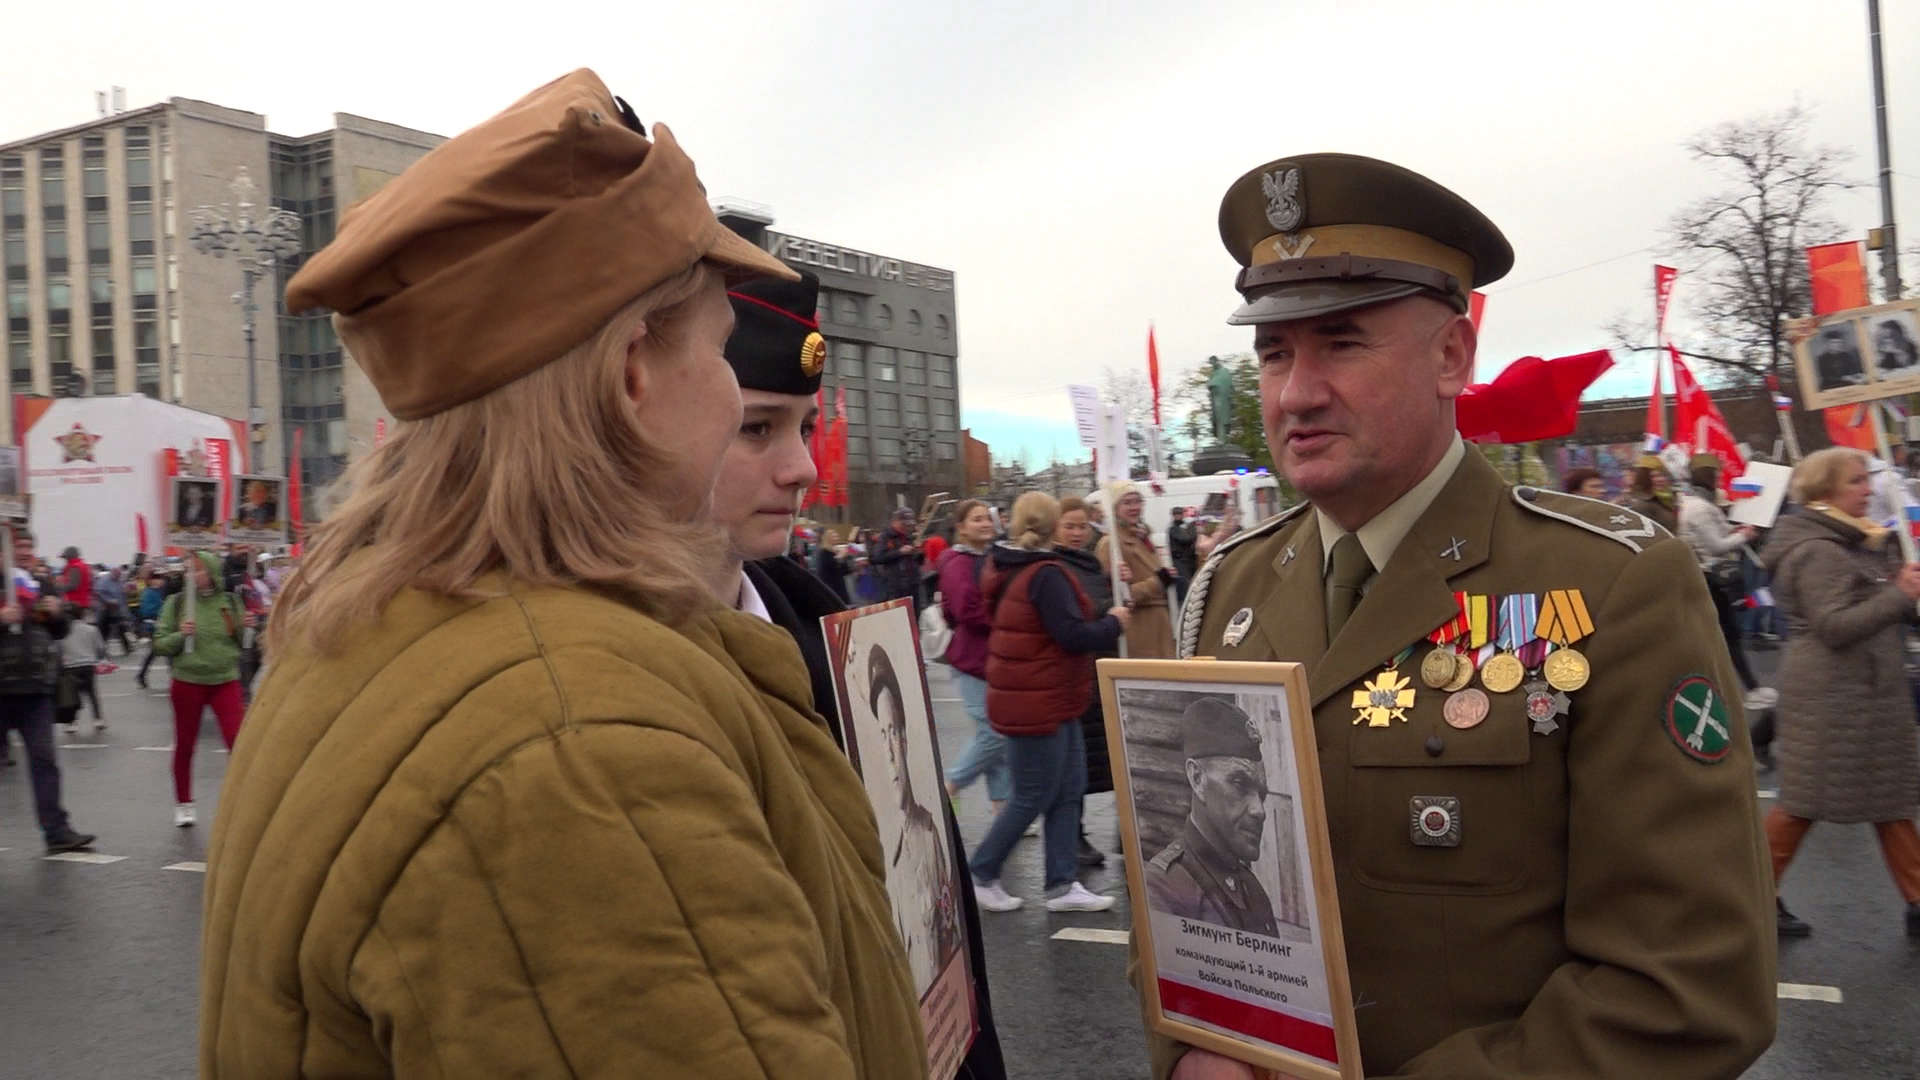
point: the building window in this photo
(53, 182)
(13, 192)
(103, 369)
(886, 450)
(99, 238)
(914, 364)
(856, 406)
(16, 244)
(99, 286)
(941, 328)
(857, 447)
(139, 159)
(913, 321)
(846, 360)
(882, 316)
(823, 312)
(146, 281)
(942, 368)
(943, 418)
(916, 411)
(140, 228)
(16, 299)
(880, 358)
(146, 355)
(54, 237)
(847, 309)
(60, 363)
(946, 451)
(20, 362)
(886, 409)
(59, 296)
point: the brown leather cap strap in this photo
(1348, 268)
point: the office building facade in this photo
(105, 294)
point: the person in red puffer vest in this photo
(1040, 657)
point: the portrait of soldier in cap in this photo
(1208, 874)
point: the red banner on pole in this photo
(1153, 373)
(1476, 309)
(817, 451)
(1695, 413)
(220, 467)
(1531, 399)
(1839, 277)
(293, 492)
(1663, 277)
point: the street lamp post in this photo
(257, 237)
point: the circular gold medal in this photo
(1566, 670)
(1467, 709)
(1462, 673)
(1503, 674)
(1437, 669)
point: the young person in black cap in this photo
(778, 357)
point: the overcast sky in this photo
(1066, 161)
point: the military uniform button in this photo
(1435, 746)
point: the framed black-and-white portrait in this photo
(1861, 354)
(194, 519)
(259, 511)
(1228, 862)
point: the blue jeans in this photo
(1049, 779)
(987, 753)
(32, 715)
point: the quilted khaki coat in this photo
(542, 835)
(1847, 746)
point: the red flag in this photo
(379, 431)
(1153, 373)
(220, 467)
(1694, 414)
(1663, 277)
(817, 450)
(1847, 425)
(1532, 399)
(140, 532)
(293, 492)
(1839, 277)
(1476, 309)
(837, 450)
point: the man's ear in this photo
(1195, 774)
(1458, 343)
(637, 346)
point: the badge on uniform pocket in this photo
(1434, 820)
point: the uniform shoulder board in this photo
(1164, 861)
(1616, 523)
(1194, 607)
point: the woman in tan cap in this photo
(519, 797)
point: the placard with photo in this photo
(194, 519)
(1229, 864)
(16, 506)
(259, 512)
(886, 715)
(1861, 354)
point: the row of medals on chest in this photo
(1521, 641)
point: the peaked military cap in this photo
(776, 343)
(1213, 727)
(1322, 233)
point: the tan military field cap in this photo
(513, 242)
(1322, 233)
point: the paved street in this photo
(98, 960)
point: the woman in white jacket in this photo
(1716, 544)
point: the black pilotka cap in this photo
(776, 344)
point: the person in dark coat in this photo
(832, 570)
(1181, 552)
(1070, 540)
(778, 356)
(1845, 744)
(897, 559)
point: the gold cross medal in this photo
(1441, 666)
(1564, 620)
(1387, 696)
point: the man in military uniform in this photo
(1549, 863)
(1207, 874)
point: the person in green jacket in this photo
(205, 645)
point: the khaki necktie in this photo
(1346, 573)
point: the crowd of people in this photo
(67, 616)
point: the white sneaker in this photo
(183, 815)
(1762, 697)
(994, 898)
(99, 727)
(1033, 829)
(1077, 898)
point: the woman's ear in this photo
(637, 346)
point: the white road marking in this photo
(156, 749)
(1809, 992)
(1083, 933)
(190, 867)
(128, 693)
(85, 746)
(1768, 793)
(93, 857)
(947, 700)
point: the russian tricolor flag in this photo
(1913, 520)
(1743, 488)
(1783, 402)
(1653, 445)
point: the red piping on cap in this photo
(811, 324)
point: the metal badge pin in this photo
(1237, 627)
(1434, 820)
(1453, 551)
(1287, 555)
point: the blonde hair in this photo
(1035, 515)
(1820, 472)
(549, 478)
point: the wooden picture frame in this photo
(1240, 954)
(1844, 359)
(887, 720)
(195, 520)
(259, 510)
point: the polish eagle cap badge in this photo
(1286, 206)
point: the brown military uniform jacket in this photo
(1605, 913)
(1194, 879)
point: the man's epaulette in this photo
(1164, 861)
(1616, 523)
(1194, 607)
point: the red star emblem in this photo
(77, 444)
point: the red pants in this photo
(1899, 845)
(189, 699)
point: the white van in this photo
(1255, 493)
